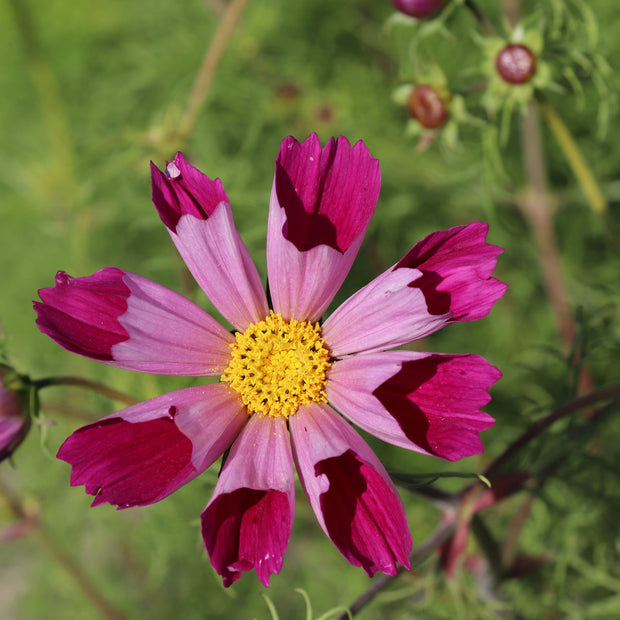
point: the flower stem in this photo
(485, 24)
(583, 173)
(439, 536)
(509, 544)
(95, 386)
(72, 568)
(52, 105)
(575, 158)
(537, 207)
(608, 393)
(210, 62)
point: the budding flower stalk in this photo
(516, 64)
(428, 106)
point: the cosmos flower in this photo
(284, 374)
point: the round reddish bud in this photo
(516, 64)
(14, 419)
(428, 106)
(421, 9)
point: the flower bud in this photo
(420, 9)
(516, 64)
(14, 417)
(428, 106)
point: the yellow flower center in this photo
(277, 365)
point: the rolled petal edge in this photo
(81, 314)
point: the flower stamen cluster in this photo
(278, 365)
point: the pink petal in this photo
(14, 417)
(321, 203)
(457, 265)
(425, 402)
(81, 314)
(384, 314)
(182, 190)
(248, 522)
(12, 432)
(350, 491)
(199, 220)
(131, 322)
(444, 278)
(141, 454)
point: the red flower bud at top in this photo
(428, 107)
(516, 64)
(420, 9)
(14, 419)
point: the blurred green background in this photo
(92, 91)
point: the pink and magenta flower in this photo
(288, 380)
(14, 415)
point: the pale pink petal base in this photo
(302, 284)
(349, 490)
(131, 322)
(425, 402)
(444, 278)
(247, 524)
(321, 203)
(169, 334)
(141, 454)
(219, 261)
(385, 313)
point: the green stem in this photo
(537, 206)
(87, 384)
(45, 82)
(575, 158)
(210, 62)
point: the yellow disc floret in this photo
(277, 365)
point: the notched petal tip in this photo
(183, 190)
(437, 402)
(328, 194)
(363, 516)
(456, 267)
(247, 529)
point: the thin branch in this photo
(87, 384)
(54, 111)
(509, 545)
(607, 393)
(538, 207)
(72, 413)
(441, 534)
(575, 158)
(207, 70)
(583, 173)
(485, 24)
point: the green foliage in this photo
(93, 91)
